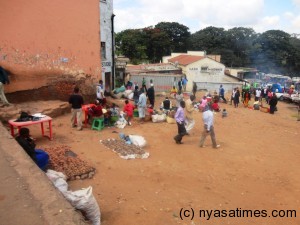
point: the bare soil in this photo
(256, 168)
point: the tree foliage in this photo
(178, 35)
(273, 51)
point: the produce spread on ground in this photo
(62, 159)
(124, 150)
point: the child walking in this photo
(128, 109)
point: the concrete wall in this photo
(214, 86)
(106, 11)
(41, 41)
(161, 82)
(195, 72)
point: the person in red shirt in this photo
(215, 106)
(128, 109)
(95, 111)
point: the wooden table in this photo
(18, 125)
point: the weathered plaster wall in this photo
(106, 9)
(44, 42)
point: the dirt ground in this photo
(256, 168)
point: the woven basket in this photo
(170, 120)
(147, 117)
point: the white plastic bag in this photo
(138, 140)
(159, 118)
(54, 175)
(127, 93)
(61, 185)
(130, 96)
(85, 201)
(58, 179)
(121, 122)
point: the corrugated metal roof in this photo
(186, 59)
(149, 66)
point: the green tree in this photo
(240, 41)
(294, 59)
(210, 39)
(157, 42)
(272, 51)
(131, 43)
(178, 35)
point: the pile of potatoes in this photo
(62, 159)
(123, 149)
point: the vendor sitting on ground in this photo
(111, 112)
(166, 105)
(40, 157)
(173, 92)
(203, 103)
(215, 106)
(95, 111)
(129, 85)
(256, 105)
(114, 109)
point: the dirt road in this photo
(256, 168)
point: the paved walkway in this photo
(27, 196)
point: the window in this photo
(103, 51)
(204, 69)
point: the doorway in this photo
(107, 84)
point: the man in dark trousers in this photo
(222, 93)
(151, 95)
(3, 80)
(77, 101)
(180, 117)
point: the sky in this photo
(261, 15)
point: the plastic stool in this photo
(113, 119)
(135, 113)
(98, 124)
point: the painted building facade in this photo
(204, 71)
(106, 32)
(163, 75)
(49, 46)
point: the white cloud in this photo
(196, 14)
(295, 25)
(296, 3)
(267, 23)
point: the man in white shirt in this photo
(208, 120)
(142, 103)
(232, 95)
(100, 93)
(257, 94)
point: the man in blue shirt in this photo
(184, 83)
(208, 120)
(222, 93)
(179, 117)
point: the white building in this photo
(106, 34)
(206, 72)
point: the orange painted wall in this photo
(42, 39)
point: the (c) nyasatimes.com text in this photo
(190, 213)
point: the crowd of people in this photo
(144, 98)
